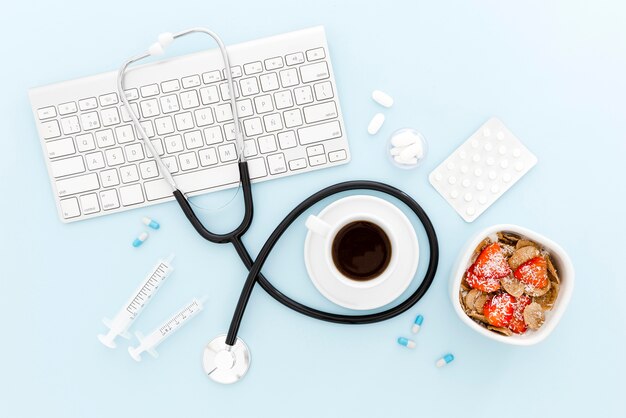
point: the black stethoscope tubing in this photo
(254, 266)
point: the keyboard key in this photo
(134, 152)
(304, 95)
(50, 129)
(131, 195)
(315, 150)
(322, 132)
(209, 95)
(109, 199)
(131, 94)
(194, 181)
(67, 166)
(184, 121)
(148, 129)
(314, 72)
(90, 121)
(287, 140)
(297, 164)
(78, 184)
(234, 71)
(269, 82)
(67, 108)
(208, 157)
(273, 63)
(294, 59)
(69, 208)
(126, 116)
(108, 99)
(229, 130)
(249, 86)
(158, 147)
(289, 77)
(253, 68)
(319, 112)
(292, 118)
(110, 116)
(164, 125)
(317, 160)
(212, 77)
(114, 156)
(267, 144)
(227, 153)
(171, 163)
(277, 163)
(149, 90)
(244, 108)
(95, 160)
(129, 173)
(249, 148)
(124, 134)
(272, 122)
(85, 142)
(188, 161)
(189, 99)
(225, 90)
(253, 126)
(88, 104)
(191, 81)
(174, 144)
(105, 138)
(89, 203)
(70, 125)
(337, 155)
(257, 168)
(169, 104)
(47, 112)
(109, 178)
(213, 135)
(324, 91)
(149, 170)
(203, 117)
(193, 140)
(223, 112)
(60, 148)
(283, 99)
(315, 54)
(170, 86)
(263, 103)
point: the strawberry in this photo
(488, 269)
(517, 324)
(533, 272)
(499, 309)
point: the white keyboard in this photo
(286, 99)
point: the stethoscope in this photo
(226, 358)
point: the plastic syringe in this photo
(157, 336)
(137, 302)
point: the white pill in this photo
(403, 139)
(412, 151)
(382, 98)
(405, 161)
(396, 150)
(376, 123)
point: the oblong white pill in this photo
(403, 139)
(382, 98)
(396, 150)
(376, 123)
(411, 151)
(409, 161)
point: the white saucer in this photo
(379, 295)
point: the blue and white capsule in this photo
(406, 342)
(140, 239)
(448, 358)
(151, 223)
(417, 324)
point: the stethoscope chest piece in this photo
(223, 363)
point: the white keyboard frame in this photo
(178, 68)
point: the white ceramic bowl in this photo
(563, 266)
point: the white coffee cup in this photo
(329, 231)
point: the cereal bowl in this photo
(561, 262)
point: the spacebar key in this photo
(193, 182)
(316, 133)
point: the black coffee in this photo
(361, 250)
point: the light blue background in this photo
(553, 71)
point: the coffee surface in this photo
(361, 250)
